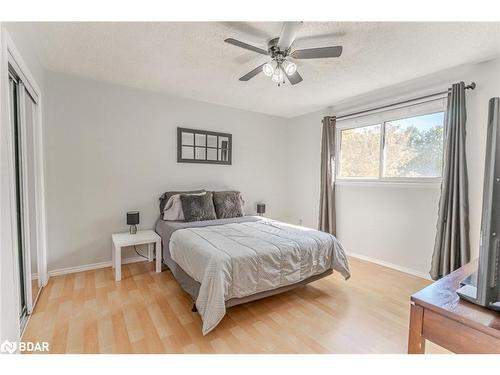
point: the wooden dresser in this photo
(439, 315)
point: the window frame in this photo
(381, 118)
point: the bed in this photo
(225, 262)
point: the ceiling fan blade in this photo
(317, 53)
(294, 78)
(245, 46)
(252, 73)
(288, 34)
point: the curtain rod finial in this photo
(472, 85)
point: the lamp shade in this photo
(261, 208)
(133, 218)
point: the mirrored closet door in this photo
(23, 116)
(30, 122)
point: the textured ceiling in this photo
(191, 60)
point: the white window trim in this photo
(380, 118)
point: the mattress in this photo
(166, 228)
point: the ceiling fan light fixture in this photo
(290, 68)
(279, 50)
(268, 69)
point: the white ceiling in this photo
(191, 59)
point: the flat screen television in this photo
(483, 287)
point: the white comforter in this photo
(241, 259)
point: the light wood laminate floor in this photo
(147, 312)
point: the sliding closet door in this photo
(28, 129)
(16, 111)
(23, 114)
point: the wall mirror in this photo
(203, 146)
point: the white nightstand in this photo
(140, 238)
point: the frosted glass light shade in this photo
(268, 69)
(290, 67)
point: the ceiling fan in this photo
(280, 50)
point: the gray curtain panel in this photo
(327, 221)
(452, 245)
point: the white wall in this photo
(304, 177)
(395, 225)
(111, 149)
(21, 35)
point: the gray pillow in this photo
(228, 204)
(166, 196)
(198, 207)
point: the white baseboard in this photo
(390, 265)
(93, 266)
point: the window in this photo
(360, 152)
(414, 146)
(392, 147)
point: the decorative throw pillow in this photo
(198, 207)
(173, 208)
(168, 194)
(228, 204)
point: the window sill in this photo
(418, 183)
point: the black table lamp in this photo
(261, 209)
(133, 220)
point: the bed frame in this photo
(192, 287)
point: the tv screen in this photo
(483, 287)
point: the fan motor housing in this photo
(274, 51)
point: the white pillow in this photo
(173, 208)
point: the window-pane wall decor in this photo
(203, 146)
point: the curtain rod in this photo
(472, 86)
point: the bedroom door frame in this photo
(11, 59)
